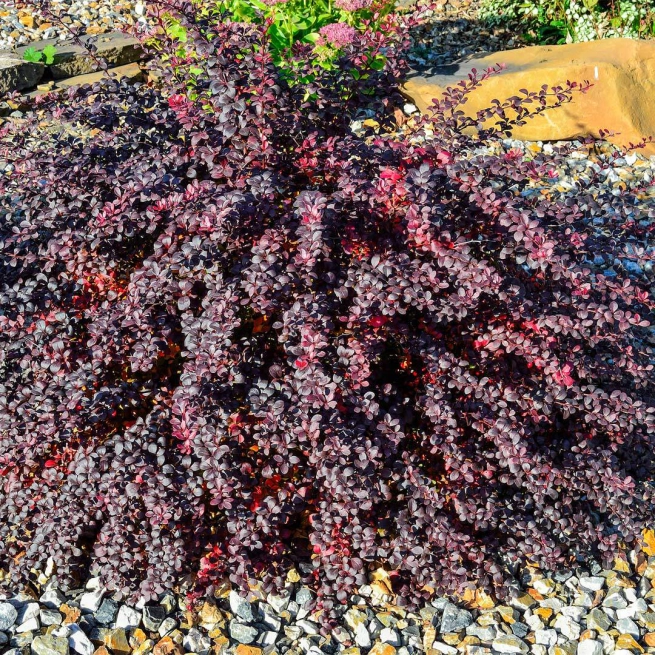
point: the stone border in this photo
(72, 63)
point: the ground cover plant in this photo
(568, 21)
(237, 338)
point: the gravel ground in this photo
(20, 25)
(579, 612)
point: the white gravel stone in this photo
(574, 613)
(30, 625)
(592, 583)
(128, 618)
(590, 647)
(91, 601)
(510, 644)
(390, 636)
(628, 627)
(79, 642)
(444, 648)
(546, 637)
(568, 627)
(362, 638)
(534, 622)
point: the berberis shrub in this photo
(235, 337)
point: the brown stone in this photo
(144, 648)
(210, 615)
(116, 640)
(27, 21)
(166, 646)
(137, 638)
(101, 650)
(628, 642)
(544, 613)
(649, 639)
(71, 614)
(622, 72)
(242, 649)
(220, 643)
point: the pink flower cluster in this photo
(272, 3)
(338, 34)
(352, 5)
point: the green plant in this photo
(47, 55)
(565, 21)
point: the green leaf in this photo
(49, 53)
(355, 73)
(378, 63)
(32, 55)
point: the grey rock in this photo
(153, 616)
(630, 595)
(244, 634)
(168, 602)
(598, 620)
(520, 629)
(71, 59)
(128, 618)
(167, 625)
(485, 633)
(615, 599)
(4, 640)
(304, 596)
(440, 603)
(52, 599)
(195, 642)
(79, 642)
(455, 619)
(241, 607)
(107, 611)
(91, 600)
(50, 645)
(278, 603)
(590, 647)
(8, 616)
(16, 74)
(629, 627)
(445, 649)
(429, 613)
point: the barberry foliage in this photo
(236, 337)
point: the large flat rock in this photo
(622, 98)
(16, 74)
(71, 59)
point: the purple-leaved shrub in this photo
(235, 337)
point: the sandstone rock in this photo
(116, 48)
(131, 71)
(17, 74)
(622, 72)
